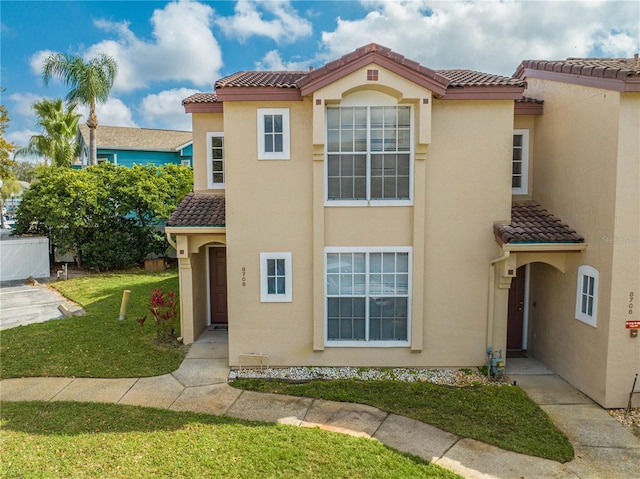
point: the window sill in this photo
(362, 203)
(367, 344)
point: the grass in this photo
(82, 440)
(499, 415)
(98, 344)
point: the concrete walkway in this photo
(604, 448)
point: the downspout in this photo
(170, 241)
(490, 307)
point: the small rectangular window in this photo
(273, 134)
(275, 277)
(587, 295)
(215, 160)
(520, 163)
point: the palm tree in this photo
(90, 82)
(59, 127)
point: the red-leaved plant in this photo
(164, 309)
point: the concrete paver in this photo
(415, 437)
(549, 389)
(269, 407)
(212, 399)
(32, 389)
(200, 372)
(95, 390)
(477, 460)
(605, 463)
(159, 392)
(589, 425)
(355, 417)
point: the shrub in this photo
(164, 309)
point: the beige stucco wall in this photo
(580, 176)
(463, 180)
(203, 123)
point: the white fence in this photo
(21, 257)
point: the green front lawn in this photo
(82, 440)
(499, 415)
(98, 344)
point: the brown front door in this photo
(516, 310)
(218, 284)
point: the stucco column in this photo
(419, 211)
(187, 326)
(318, 247)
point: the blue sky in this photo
(168, 50)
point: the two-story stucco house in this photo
(375, 212)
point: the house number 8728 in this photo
(244, 276)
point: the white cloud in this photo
(273, 61)
(489, 36)
(20, 137)
(183, 48)
(165, 110)
(22, 104)
(112, 113)
(36, 62)
(284, 26)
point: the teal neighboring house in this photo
(126, 146)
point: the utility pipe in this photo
(124, 304)
(171, 242)
(491, 306)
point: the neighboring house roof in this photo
(197, 209)
(620, 74)
(292, 85)
(127, 138)
(531, 223)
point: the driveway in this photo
(24, 304)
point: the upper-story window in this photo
(520, 164)
(369, 155)
(587, 295)
(273, 134)
(215, 160)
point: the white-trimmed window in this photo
(215, 160)
(369, 155)
(368, 296)
(275, 278)
(273, 134)
(520, 163)
(587, 295)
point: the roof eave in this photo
(203, 107)
(488, 92)
(540, 246)
(248, 93)
(628, 84)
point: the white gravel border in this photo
(447, 377)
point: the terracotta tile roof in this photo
(199, 210)
(531, 223)
(362, 51)
(120, 137)
(278, 79)
(461, 78)
(527, 99)
(201, 98)
(614, 68)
